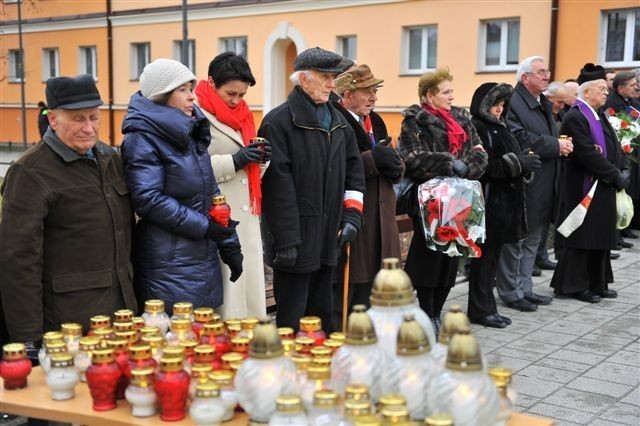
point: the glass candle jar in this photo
(52, 348)
(140, 357)
(357, 392)
(286, 333)
(199, 375)
(121, 353)
(82, 358)
(14, 367)
(230, 358)
(240, 345)
(47, 338)
(189, 347)
(220, 211)
(156, 343)
(333, 345)
(62, 377)
(206, 354)
(246, 327)
(214, 334)
(72, 332)
(224, 380)
(180, 331)
(318, 378)
(97, 322)
(183, 310)
(289, 346)
(172, 389)
(155, 316)
(289, 411)
(302, 363)
(201, 316)
(138, 323)
(140, 393)
(304, 344)
(104, 334)
(102, 378)
(354, 408)
(325, 410)
(312, 327)
(207, 409)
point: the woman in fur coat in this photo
(436, 139)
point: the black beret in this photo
(72, 92)
(321, 60)
(591, 72)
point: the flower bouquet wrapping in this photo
(627, 127)
(452, 211)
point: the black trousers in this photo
(359, 294)
(481, 280)
(299, 295)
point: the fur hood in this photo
(487, 95)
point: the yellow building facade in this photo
(478, 40)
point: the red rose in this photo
(611, 111)
(446, 233)
(626, 149)
(623, 124)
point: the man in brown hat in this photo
(65, 232)
(378, 238)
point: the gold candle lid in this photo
(233, 329)
(123, 325)
(103, 333)
(289, 346)
(176, 352)
(180, 324)
(286, 333)
(56, 347)
(219, 199)
(310, 323)
(203, 314)
(367, 420)
(322, 361)
(71, 329)
(453, 321)
(337, 335)
(392, 399)
(61, 360)
(391, 285)
(13, 351)
(52, 336)
(301, 361)
(394, 414)
(153, 340)
(131, 336)
(170, 364)
(412, 339)
(100, 356)
(150, 330)
(142, 377)
(240, 344)
(333, 345)
(360, 329)
(315, 372)
(183, 308)
(200, 370)
(501, 374)
(118, 344)
(249, 323)
(123, 315)
(266, 342)
(229, 358)
(325, 398)
(356, 391)
(439, 419)
(464, 353)
(357, 407)
(221, 377)
(207, 390)
(233, 321)
(306, 343)
(321, 351)
(140, 351)
(289, 403)
(189, 346)
(213, 329)
(89, 343)
(138, 323)
(204, 353)
(216, 317)
(154, 306)
(100, 321)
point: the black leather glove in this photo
(32, 349)
(621, 181)
(248, 154)
(286, 257)
(529, 162)
(387, 161)
(219, 233)
(231, 255)
(460, 168)
(348, 233)
(266, 151)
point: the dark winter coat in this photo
(532, 124)
(169, 172)
(378, 238)
(504, 188)
(598, 231)
(303, 189)
(65, 239)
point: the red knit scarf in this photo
(457, 135)
(238, 118)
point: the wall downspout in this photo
(112, 136)
(553, 39)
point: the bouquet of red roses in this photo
(627, 127)
(452, 211)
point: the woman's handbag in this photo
(624, 207)
(406, 197)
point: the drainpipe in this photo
(553, 38)
(23, 106)
(112, 137)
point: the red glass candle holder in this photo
(14, 367)
(121, 352)
(201, 316)
(102, 378)
(214, 334)
(312, 327)
(172, 389)
(220, 211)
(140, 356)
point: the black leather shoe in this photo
(536, 272)
(505, 319)
(546, 265)
(492, 320)
(614, 255)
(624, 244)
(523, 305)
(608, 294)
(539, 299)
(587, 296)
(628, 233)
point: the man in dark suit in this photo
(530, 120)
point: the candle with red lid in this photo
(220, 211)
(102, 378)
(14, 367)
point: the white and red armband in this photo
(353, 200)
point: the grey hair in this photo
(295, 76)
(585, 86)
(527, 65)
(554, 87)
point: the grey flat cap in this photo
(321, 60)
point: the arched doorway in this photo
(280, 50)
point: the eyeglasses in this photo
(540, 73)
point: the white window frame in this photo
(424, 67)
(9, 1)
(504, 36)
(82, 61)
(628, 39)
(223, 48)
(191, 55)
(340, 41)
(134, 72)
(13, 66)
(46, 63)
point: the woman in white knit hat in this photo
(172, 184)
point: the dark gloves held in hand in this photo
(460, 168)
(252, 153)
(529, 162)
(348, 233)
(621, 181)
(286, 257)
(231, 255)
(219, 233)
(387, 161)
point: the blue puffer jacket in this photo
(169, 173)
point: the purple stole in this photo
(597, 135)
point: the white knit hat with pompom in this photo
(162, 76)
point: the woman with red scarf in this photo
(238, 165)
(436, 139)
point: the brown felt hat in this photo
(356, 77)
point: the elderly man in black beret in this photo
(65, 234)
(312, 191)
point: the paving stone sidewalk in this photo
(575, 362)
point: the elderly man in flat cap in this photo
(357, 88)
(65, 232)
(312, 191)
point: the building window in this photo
(499, 45)
(87, 61)
(140, 57)
(238, 45)
(50, 64)
(420, 49)
(620, 41)
(191, 53)
(15, 65)
(347, 46)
